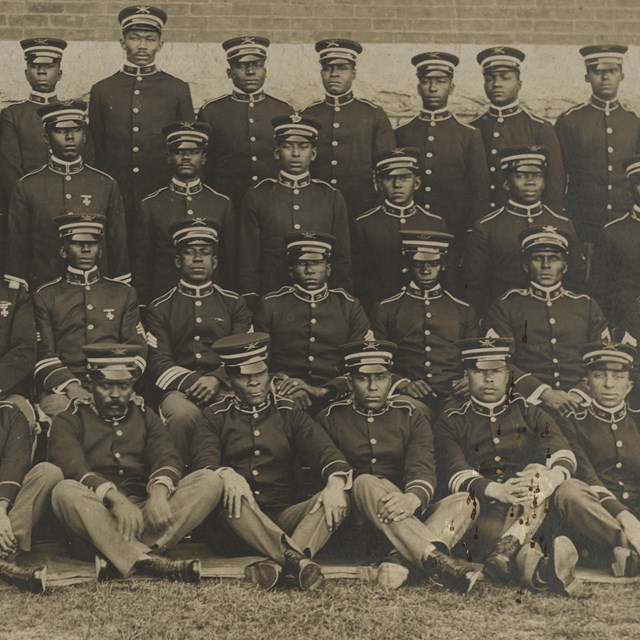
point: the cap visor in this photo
(67, 124)
(42, 59)
(402, 171)
(488, 365)
(370, 368)
(248, 57)
(113, 374)
(426, 256)
(253, 368)
(83, 237)
(609, 366)
(310, 256)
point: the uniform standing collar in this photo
(64, 167)
(415, 291)
(506, 111)
(294, 182)
(82, 278)
(195, 291)
(546, 293)
(248, 408)
(339, 101)
(604, 105)
(311, 296)
(399, 212)
(186, 188)
(489, 409)
(370, 413)
(525, 210)
(133, 70)
(635, 212)
(241, 96)
(608, 415)
(42, 98)
(434, 116)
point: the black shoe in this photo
(626, 562)
(393, 571)
(179, 570)
(307, 573)
(453, 573)
(557, 572)
(267, 574)
(27, 578)
(499, 565)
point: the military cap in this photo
(179, 132)
(603, 56)
(541, 238)
(81, 227)
(632, 166)
(192, 231)
(368, 356)
(336, 50)
(608, 355)
(113, 361)
(309, 245)
(435, 64)
(69, 113)
(397, 161)
(246, 351)
(143, 17)
(425, 245)
(485, 353)
(43, 50)
(246, 48)
(295, 128)
(500, 58)
(524, 158)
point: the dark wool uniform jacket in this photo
(15, 450)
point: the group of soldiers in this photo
(317, 327)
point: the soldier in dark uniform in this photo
(596, 137)
(548, 323)
(186, 196)
(64, 185)
(455, 179)
(307, 323)
(508, 124)
(80, 307)
(252, 441)
(379, 269)
(291, 202)
(241, 146)
(511, 457)
(492, 262)
(124, 492)
(390, 447)
(353, 129)
(184, 323)
(426, 322)
(128, 110)
(602, 504)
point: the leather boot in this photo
(455, 574)
(179, 570)
(27, 578)
(499, 565)
(307, 573)
(626, 562)
(393, 571)
(267, 574)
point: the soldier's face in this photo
(66, 142)
(608, 388)
(251, 389)
(197, 264)
(525, 187)
(295, 157)
(435, 91)
(605, 82)
(43, 77)
(248, 76)
(112, 397)
(502, 87)
(141, 47)
(338, 78)
(488, 385)
(82, 255)
(186, 161)
(426, 273)
(370, 390)
(546, 268)
(311, 274)
(400, 189)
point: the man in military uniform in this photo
(291, 202)
(241, 145)
(548, 323)
(596, 137)
(455, 179)
(353, 129)
(184, 323)
(379, 270)
(390, 447)
(602, 504)
(508, 124)
(124, 493)
(307, 323)
(511, 457)
(492, 263)
(154, 271)
(253, 440)
(128, 110)
(426, 322)
(64, 185)
(80, 307)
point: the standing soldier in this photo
(154, 271)
(353, 129)
(508, 124)
(241, 146)
(128, 110)
(596, 137)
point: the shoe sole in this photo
(565, 558)
(41, 576)
(620, 557)
(194, 572)
(391, 575)
(267, 574)
(495, 574)
(310, 577)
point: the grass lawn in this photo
(215, 609)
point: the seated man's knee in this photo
(47, 473)
(65, 493)
(362, 482)
(569, 491)
(177, 407)
(53, 403)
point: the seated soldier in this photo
(124, 493)
(602, 504)
(511, 457)
(184, 323)
(154, 270)
(378, 268)
(24, 496)
(308, 322)
(426, 322)
(548, 323)
(390, 447)
(253, 441)
(80, 307)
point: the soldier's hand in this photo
(235, 488)
(157, 510)
(333, 498)
(511, 492)
(460, 386)
(8, 542)
(417, 389)
(289, 385)
(560, 401)
(76, 392)
(129, 518)
(631, 526)
(397, 506)
(204, 389)
(301, 398)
